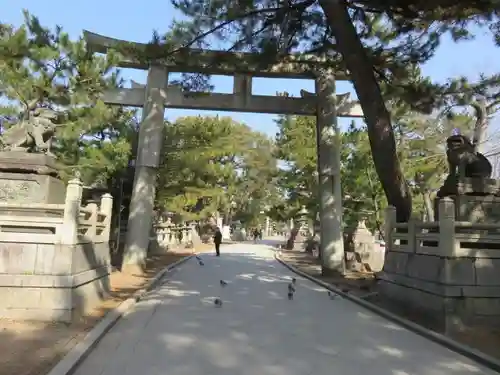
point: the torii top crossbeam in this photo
(190, 60)
(242, 66)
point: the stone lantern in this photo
(359, 242)
(302, 217)
(300, 233)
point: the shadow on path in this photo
(177, 330)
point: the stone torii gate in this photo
(157, 95)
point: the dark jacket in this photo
(218, 237)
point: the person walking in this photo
(255, 235)
(217, 241)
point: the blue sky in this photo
(137, 20)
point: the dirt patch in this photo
(33, 348)
(365, 285)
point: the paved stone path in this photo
(177, 330)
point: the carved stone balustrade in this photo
(54, 258)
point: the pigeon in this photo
(291, 289)
(331, 295)
(294, 280)
(290, 295)
(197, 257)
(218, 302)
(223, 283)
(200, 262)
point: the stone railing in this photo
(67, 223)
(171, 235)
(94, 220)
(166, 236)
(54, 257)
(449, 270)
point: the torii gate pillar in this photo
(149, 148)
(330, 190)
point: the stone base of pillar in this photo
(30, 178)
(133, 270)
(326, 272)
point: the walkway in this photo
(177, 330)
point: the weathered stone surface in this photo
(88, 256)
(487, 271)
(424, 267)
(30, 178)
(487, 306)
(31, 188)
(52, 304)
(412, 296)
(480, 291)
(461, 266)
(422, 285)
(459, 290)
(21, 162)
(458, 271)
(361, 251)
(56, 303)
(478, 209)
(52, 282)
(396, 262)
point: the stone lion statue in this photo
(33, 133)
(463, 162)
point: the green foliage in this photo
(381, 43)
(211, 163)
(421, 144)
(296, 141)
(363, 194)
(421, 149)
(398, 36)
(296, 146)
(42, 67)
(256, 189)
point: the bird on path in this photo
(223, 283)
(200, 262)
(331, 295)
(290, 295)
(291, 289)
(197, 257)
(294, 280)
(218, 302)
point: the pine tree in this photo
(41, 67)
(379, 42)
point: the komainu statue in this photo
(33, 133)
(463, 162)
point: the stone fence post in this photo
(107, 209)
(71, 216)
(389, 221)
(412, 234)
(447, 234)
(92, 231)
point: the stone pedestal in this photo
(195, 236)
(239, 234)
(361, 253)
(446, 271)
(478, 200)
(49, 270)
(30, 178)
(226, 232)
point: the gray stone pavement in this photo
(177, 330)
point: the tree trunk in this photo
(481, 125)
(377, 117)
(429, 207)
